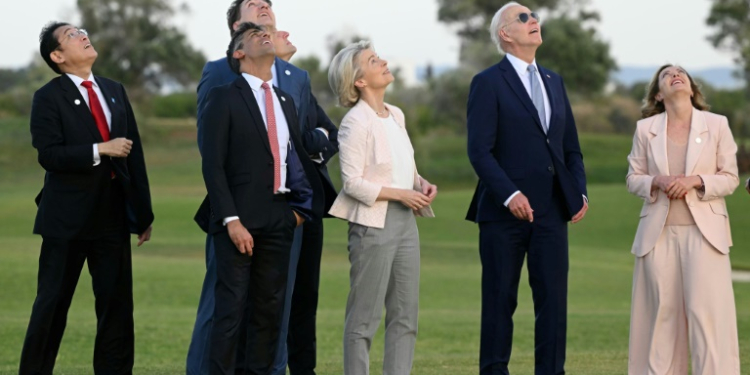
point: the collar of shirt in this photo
(521, 66)
(255, 82)
(78, 80)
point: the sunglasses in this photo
(524, 17)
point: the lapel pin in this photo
(283, 99)
(288, 72)
(113, 100)
(549, 76)
(77, 102)
(698, 140)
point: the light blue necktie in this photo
(537, 97)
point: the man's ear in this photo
(57, 57)
(238, 54)
(503, 35)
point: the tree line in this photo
(139, 46)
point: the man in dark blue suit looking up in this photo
(260, 188)
(319, 139)
(523, 145)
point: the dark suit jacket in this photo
(295, 82)
(238, 164)
(63, 131)
(509, 150)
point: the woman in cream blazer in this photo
(381, 195)
(683, 163)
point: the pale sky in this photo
(640, 32)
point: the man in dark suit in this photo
(523, 145)
(260, 188)
(95, 193)
(319, 138)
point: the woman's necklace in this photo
(381, 113)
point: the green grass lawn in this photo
(168, 272)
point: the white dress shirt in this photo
(102, 100)
(522, 68)
(402, 159)
(282, 128)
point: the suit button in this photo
(550, 168)
(547, 140)
(270, 163)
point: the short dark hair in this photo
(233, 13)
(48, 42)
(236, 44)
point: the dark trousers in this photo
(301, 343)
(502, 248)
(60, 265)
(258, 280)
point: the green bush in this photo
(177, 105)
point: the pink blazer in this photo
(711, 154)
(366, 167)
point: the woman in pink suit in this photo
(683, 163)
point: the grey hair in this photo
(496, 24)
(345, 70)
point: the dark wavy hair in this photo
(48, 43)
(233, 13)
(652, 107)
(236, 44)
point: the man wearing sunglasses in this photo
(95, 193)
(523, 145)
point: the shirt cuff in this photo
(318, 159)
(230, 219)
(97, 158)
(585, 198)
(324, 131)
(507, 201)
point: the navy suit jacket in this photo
(295, 82)
(63, 131)
(509, 150)
(238, 163)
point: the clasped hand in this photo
(676, 187)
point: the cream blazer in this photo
(711, 154)
(366, 167)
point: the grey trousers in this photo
(384, 270)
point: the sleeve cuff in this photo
(97, 158)
(507, 201)
(585, 198)
(324, 131)
(318, 159)
(230, 219)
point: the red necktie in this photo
(97, 111)
(272, 137)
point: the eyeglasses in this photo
(76, 33)
(524, 17)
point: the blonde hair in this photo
(345, 70)
(652, 107)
